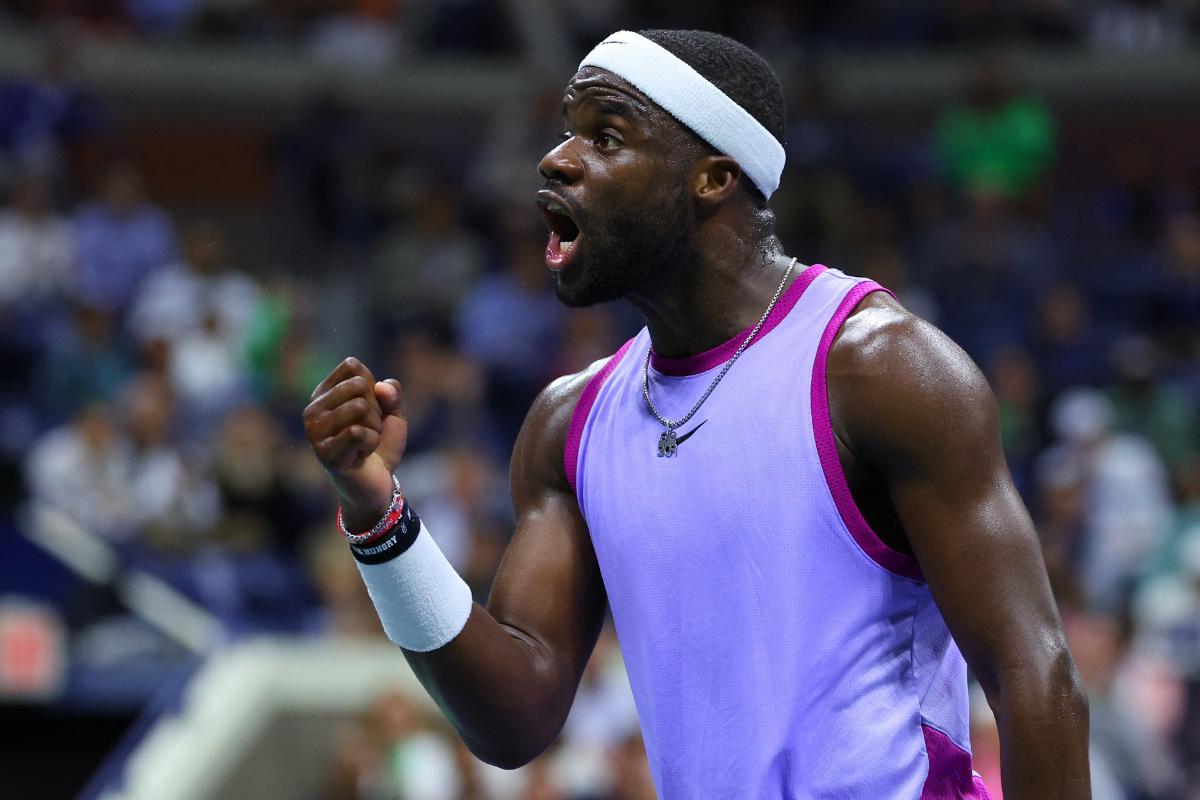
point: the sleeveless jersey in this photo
(777, 648)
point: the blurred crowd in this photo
(154, 377)
(372, 32)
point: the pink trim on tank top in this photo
(715, 357)
(580, 414)
(892, 560)
(950, 775)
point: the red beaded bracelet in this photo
(389, 519)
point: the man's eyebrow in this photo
(627, 108)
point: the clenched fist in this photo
(357, 428)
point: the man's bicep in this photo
(934, 436)
(978, 551)
(548, 588)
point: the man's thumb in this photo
(391, 397)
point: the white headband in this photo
(693, 100)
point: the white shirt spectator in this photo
(173, 304)
(82, 470)
(1128, 502)
(36, 256)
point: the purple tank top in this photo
(776, 646)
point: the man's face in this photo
(616, 197)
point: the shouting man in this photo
(789, 490)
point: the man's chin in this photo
(576, 287)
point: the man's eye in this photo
(606, 141)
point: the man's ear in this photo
(715, 179)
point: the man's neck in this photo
(723, 293)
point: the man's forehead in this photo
(595, 83)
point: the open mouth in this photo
(564, 234)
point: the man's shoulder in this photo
(891, 371)
(884, 339)
(539, 455)
(555, 405)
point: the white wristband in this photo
(421, 601)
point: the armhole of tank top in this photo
(583, 408)
(876, 549)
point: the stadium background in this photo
(207, 203)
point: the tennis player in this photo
(789, 490)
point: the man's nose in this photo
(560, 164)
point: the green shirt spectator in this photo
(996, 140)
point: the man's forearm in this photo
(1042, 716)
(500, 689)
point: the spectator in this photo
(986, 271)
(40, 118)
(396, 750)
(996, 139)
(200, 310)
(37, 273)
(1068, 343)
(170, 502)
(1148, 404)
(345, 608)
(120, 240)
(173, 303)
(429, 261)
(443, 391)
(1127, 501)
(286, 361)
(85, 362)
(1061, 519)
(263, 500)
(37, 256)
(1128, 755)
(82, 471)
(461, 493)
(510, 323)
(210, 374)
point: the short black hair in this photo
(732, 67)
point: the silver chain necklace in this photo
(668, 443)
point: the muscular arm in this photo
(508, 680)
(916, 421)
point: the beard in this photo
(637, 251)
